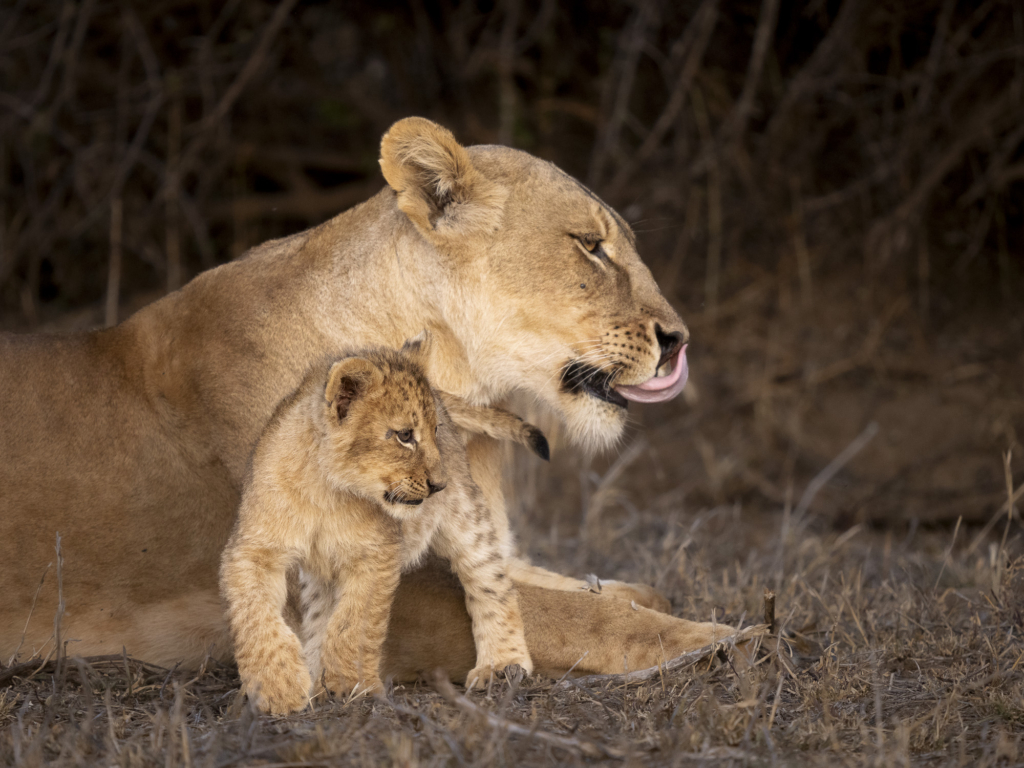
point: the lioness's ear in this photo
(438, 187)
(418, 347)
(349, 379)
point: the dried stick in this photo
(796, 521)
(714, 263)
(56, 53)
(114, 267)
(58, 616)
(506, 72)
(31, 610)
(769, 611)
(807, 79)
(172, 211)
(682, 661)
(1008, 475)
(589, 748)
(945, 560)
(822, 478)
(616, 95)
(924, 95)
(704, 21)
(4, 243)
(601, 494)
(924, 271)
(227, 101)
(156, 97)
(803, 254)
(766, 21)
(71, 54)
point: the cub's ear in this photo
(418, 347)
(438, 187)
(349, 379)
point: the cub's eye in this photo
(405, 436)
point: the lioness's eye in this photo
(591, 244)
(404, 436)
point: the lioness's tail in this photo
(497, 423)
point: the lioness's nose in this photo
(434, 488)
(669, 342)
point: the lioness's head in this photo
(381, 421)
(545, 290)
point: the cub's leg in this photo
(352, 637)
(467, 538)
(317, 599)
(268, 652)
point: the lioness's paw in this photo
(641, 594)
(690, 635)
(282, 689)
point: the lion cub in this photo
(358, 474)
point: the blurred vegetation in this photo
(883, 141)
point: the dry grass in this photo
(878, 666)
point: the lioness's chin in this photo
(593, 424)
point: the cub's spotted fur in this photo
(343, 484)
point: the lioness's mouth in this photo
(580, 378)
(662, 386)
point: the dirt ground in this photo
(838, 452)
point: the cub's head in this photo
(381, 420)
(546, 292)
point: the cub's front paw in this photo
(512, 671)
(281, 688)
(345, 685)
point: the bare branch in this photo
(227, 101)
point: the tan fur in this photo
(133, 442)
(357, 475)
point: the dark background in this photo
(830, 192)
(877, 140)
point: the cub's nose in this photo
(669, 342)
(435, 488)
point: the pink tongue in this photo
(660, 388)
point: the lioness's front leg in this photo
(430, 628)
(268, 652)
(641, 594)
(352, 643)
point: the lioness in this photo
(132, 442)
(342, 484)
